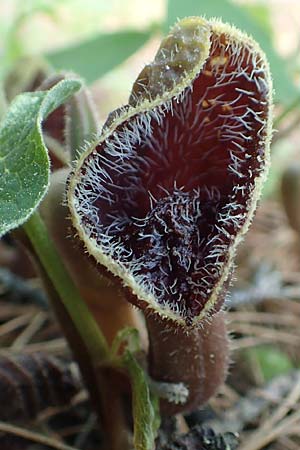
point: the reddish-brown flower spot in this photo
(167, 193)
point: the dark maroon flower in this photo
(166, 194)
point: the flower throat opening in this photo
(167, 193)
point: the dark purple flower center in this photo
(166, 194)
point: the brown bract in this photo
(165, 195)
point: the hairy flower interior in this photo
(167, 193)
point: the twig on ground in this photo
(27, 334)
(257, 401)
(34, 437)
(274, 425)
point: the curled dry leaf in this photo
(165, 195)
(31, 383)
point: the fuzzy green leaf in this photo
(97, 56)
(145, 406)
(227, 11)
(24, 162)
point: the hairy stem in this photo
(75, 306)
(83, 334)
(198, 358)
(109, 408)
(101, 304)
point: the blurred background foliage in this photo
(95, 36)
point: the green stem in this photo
(77, 309)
